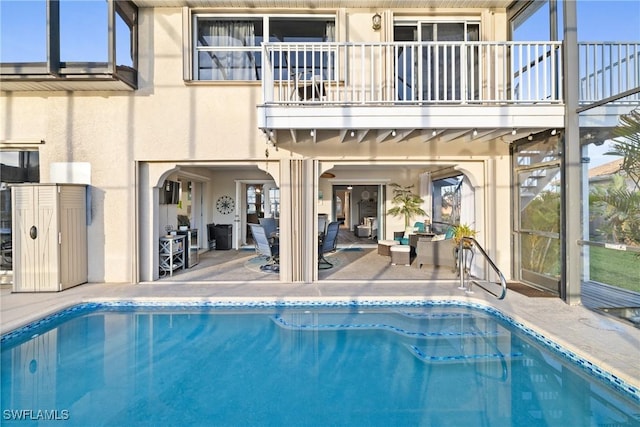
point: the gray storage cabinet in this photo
(49, 236)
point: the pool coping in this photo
(564, 349)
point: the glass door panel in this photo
(434, 72)
(538, 221)
(406, 62)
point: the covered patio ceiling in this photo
(467, 123)
(400, 134)
(587, 135)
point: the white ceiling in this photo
(329, 4)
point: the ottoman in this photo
(401, 254)
(385, 245)
(363, 231)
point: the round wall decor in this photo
(225, 205)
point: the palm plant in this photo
(619, 207)
(406, 203)
(627, 145)
(619, 203)
(541, 252)
(463, 230)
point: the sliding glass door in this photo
(436, 71)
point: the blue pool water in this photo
(358, 365)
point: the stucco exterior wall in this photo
(168, 120)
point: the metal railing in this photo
(608, 69)
(465, 260)
(443, 72)
(412, 73)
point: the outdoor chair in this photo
(327, 245)
(270, 228)
(403, 236)
(437, 252)
(265, 248)
(308, 87)
(322, 223)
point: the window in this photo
(274, 200)
(83, 31)
(126, 33)
(63, 38)
(447, 200)
(23, 32)
(15, 167)
(255, 202)
(228, 48)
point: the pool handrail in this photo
(468, 242)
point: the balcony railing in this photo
(607, 70)
(412, 73)
(423, 73)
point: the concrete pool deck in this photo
(609, 343)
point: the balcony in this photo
(495, 87)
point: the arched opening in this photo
(208, 204)
(361, 197)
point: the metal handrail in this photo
(463, 272)
(613, 246)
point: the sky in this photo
(84, 26)
(83, 31)
(598, 20)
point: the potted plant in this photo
(183, 221)
(406, 203)
(463, 230)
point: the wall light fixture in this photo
(376, 21)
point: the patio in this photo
(355, 259)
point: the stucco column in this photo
(570, 287)
(296, 235)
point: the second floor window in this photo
(228, 48)
(64, 38)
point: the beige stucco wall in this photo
(167, 122)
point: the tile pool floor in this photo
(609, 343)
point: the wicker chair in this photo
(439, 253)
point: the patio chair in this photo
(309, 87)
(270, 228)
(328, 244)
(265, 248)
(438, 252)
(323, 219)
(403, 236)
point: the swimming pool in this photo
(424, 363)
